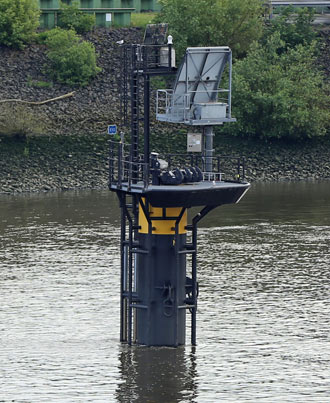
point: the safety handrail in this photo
(129, 173)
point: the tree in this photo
(279, 95)
(294, 26)
(19, 20)
(234, 23)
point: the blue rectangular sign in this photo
(112, 129)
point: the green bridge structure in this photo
(107, 12)
(118, 12)
(320, 6)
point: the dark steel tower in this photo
(158, 287)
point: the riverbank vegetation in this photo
(279, 87)
(19, 121)
(279, 94)
(142, 19)
(279, 90)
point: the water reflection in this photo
(162, 375)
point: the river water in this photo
(264, 303)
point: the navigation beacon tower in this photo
(155, 191)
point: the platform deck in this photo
(211, 193)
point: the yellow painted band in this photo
(162, 227)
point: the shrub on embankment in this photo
(19, 20)
(72, 61)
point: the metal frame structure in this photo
(302, 3)
(155, 292)
(119, 11)
(196, 98)
(139, 63)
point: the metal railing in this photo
(126, 170)
(301, 3)
(128, 173)
(224, 167)
(169, 103)
(179, 106)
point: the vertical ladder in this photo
(123, 84)
(130, 81)
(129, 248)
(136, 72)
(190, 248)
(127, 244)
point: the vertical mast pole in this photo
(208, 137)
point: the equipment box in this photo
(210, 110)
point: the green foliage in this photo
(158, 82)
(41, 37)
(38, 83)
(20, 121)
(72, 17)
(141, 19)
(41, 84)
(235, 23)
(279, 95)
(294, 26)
(72, 61)
(19, 20)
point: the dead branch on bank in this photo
(70, 94)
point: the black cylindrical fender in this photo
(187, 175)
(174, 177)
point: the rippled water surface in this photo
(263, 317)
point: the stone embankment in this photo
(55, 163)
(72, 153)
